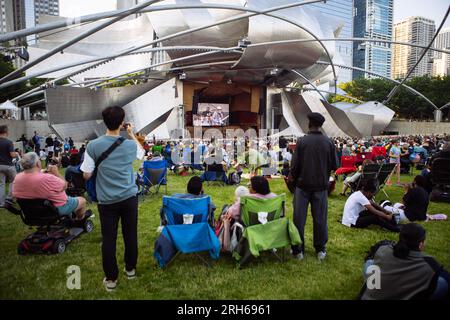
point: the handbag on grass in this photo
(91, 183)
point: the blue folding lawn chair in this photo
(155, 175)
(188, 230)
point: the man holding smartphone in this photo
(116, 192)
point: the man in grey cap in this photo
(314, 159)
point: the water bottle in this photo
(397, 218)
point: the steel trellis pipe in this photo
(384, 77)
(240, 17)
(312, 84)
(96, 59)
(76, 39)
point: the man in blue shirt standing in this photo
(116, 193)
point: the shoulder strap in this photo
(105, 154)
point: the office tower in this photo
(415, 30)
(49, 7)
(21, 14)
(441, 61)
(372, 19)
(343, 11)
(6, 16)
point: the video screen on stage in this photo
(212, 114)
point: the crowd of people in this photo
(307, 169)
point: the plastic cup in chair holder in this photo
(188, 218)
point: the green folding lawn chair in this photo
(265, 228)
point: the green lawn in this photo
(339, 277)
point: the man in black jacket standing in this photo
(314, 159)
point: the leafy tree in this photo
(405, 104)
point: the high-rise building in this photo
(442, 40)
(372, 19)
(49, 7)
(441, 66)
(341, 10)
(26, 13)
(415, 30)
(441, 61)
(6, 16)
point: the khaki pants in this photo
(7, 175)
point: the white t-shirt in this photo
(353, 206)
(287, 156)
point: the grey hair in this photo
(29, 160)
(446, 146)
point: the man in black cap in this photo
(314, 159)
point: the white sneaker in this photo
(130, 274)
(299, 256)
(110, 285)
(321, 255)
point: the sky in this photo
(433, 9)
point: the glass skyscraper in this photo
(342, 10)
(372, 19)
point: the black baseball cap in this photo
(316, 118)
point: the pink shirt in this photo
(235, 209)
(40, 186)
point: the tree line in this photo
(406, 104)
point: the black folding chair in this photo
(385, 171)
(369, 172)
(440, 174)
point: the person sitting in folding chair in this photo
(354, 178)
(188, 229)
(226, 229)
(194, 191)
(259, 188)
(262, 215)
(216, 171)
